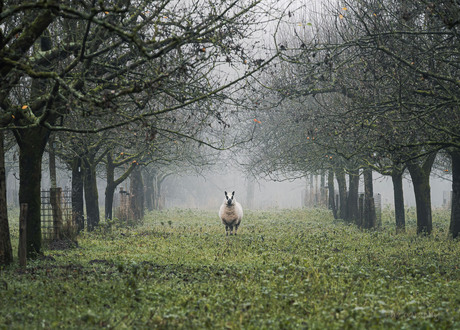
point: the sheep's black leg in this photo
(231, 230)
(236, 228)
(226, 230)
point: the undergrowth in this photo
(286, 269)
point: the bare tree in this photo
(111, 64)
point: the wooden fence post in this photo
(22, 251)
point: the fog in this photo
(207, 191)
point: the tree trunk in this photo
(31, 143)
(55, 194)
(55, 200)
(156, 193)
(110, 188)
(6, 251)
(454, 227)
(148, 191)
(420, 174)
(341, 181)
(77, 194)
(400, 216)
(52, 161)
(370, 218)
(112, 183)
(109, 194)
(330, 185)
(352, 200)
(91, 196)
(137, 194)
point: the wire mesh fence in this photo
(56, 213)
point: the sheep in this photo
(230, 213)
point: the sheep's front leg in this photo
(236, 228)
(226, 230)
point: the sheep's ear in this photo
(226, 194)
(233, 194)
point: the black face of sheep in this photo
(229, 199)
(230, 213)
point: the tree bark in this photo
(77, 194)
(420, 174)
(330, 185)
(352, 200)
(400, 216)
(6, 251)
(137, 194)
(109, 194)
(31, 142)
(454, 227)
(91, 195)
(370, 218)
(52, 161)
(341, 181)
(110, 187)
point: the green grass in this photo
(287, 269)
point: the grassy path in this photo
(287, 269)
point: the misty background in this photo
(206, 190)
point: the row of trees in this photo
(365, 86)
(122, 81)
